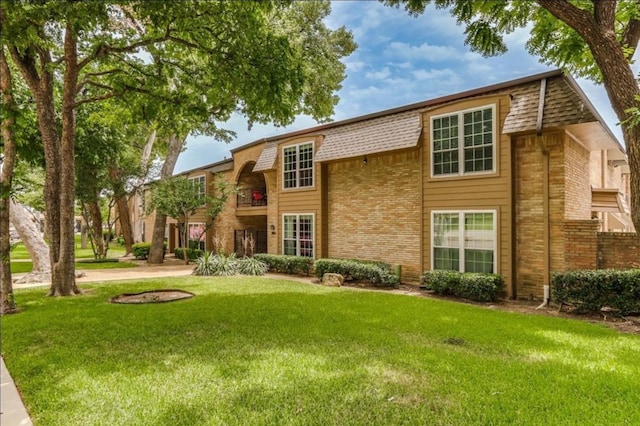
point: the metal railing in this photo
(251, 197)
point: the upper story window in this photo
(464, 142)
(199, 185)
(298, 165)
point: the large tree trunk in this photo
(96, 229)
(123, 208)
(29, 232)
(622, 88)
(7, 302)
(157, 240)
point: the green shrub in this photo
(252, 266)
(192, 254)
(472, 286)
(378, 273)
(286, 264)
(141, 250)
(592, 290)
(107, 235)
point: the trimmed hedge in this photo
(592, 290)
(472, 286)
(193, 254)
(378, 273)
(141, 250)
(286, 264)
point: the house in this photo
(521, 178)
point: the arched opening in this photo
(252, 187)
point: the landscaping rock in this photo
(332, 280)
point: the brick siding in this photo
(618, 250)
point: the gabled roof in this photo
(564, 105)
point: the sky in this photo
(399, 60)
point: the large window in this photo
(464, 142)
(298, 166)
(297, 237)
(199, 184)
(464, 241)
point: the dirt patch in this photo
(152, 296)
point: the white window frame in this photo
(297, 236)
(202, 190)
(461, 147)
(203, 237)
(461, 236)
(297, 169)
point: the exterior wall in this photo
(297, 201)
(373, 210)
(479, 192)
(581, 244)
(618, 250)
(577, 186)
(530, 233)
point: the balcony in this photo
(251, 202)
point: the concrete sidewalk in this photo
(12, 411)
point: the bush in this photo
(378, 273)
(592, 290)
(141, 250)
(286, 264)
(107, 235)
(210, 264)
(192, 254)
(472, 286)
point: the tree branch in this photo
(578, 19)
(631, 36)
(605, 13)
(94, 99)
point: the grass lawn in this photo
(20, 252)
(26, 266)
(262, 351)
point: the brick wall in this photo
(577, 185)
(618, 250)
(581, 244)
(374, 211)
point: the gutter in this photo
(545, 194)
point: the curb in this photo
(12, 409)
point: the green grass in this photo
(26, 266)
(262, 351)
(20, 252)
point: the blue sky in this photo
(399, 60)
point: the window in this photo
(196, 235)
(298, 166)
(199, 183)
(464, 241)
(298, 235)
(473, 144)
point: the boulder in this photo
(332, 280)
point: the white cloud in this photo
(424, 52)
(378, 75)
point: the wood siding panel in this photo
(473, 192)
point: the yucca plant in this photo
(210, 264)
(252, 266)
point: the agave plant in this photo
(210, 264)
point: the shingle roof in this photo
(562, 107)
(381, 134)
(267, 159)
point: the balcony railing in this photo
(252, 198)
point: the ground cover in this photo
(270, 351)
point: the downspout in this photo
(545, 194)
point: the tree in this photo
(230, 52)
(7, 302)
(180, 198)
(593, 39)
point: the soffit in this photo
(608, 200)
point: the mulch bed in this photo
(152, 296)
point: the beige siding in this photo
(480, 192)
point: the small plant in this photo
(219, 265)
(252, 266)
(204, 265)
(219, 242)
(141, 250)
(472, 286)
(377, 273)
(192, 254)
(286, 264)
